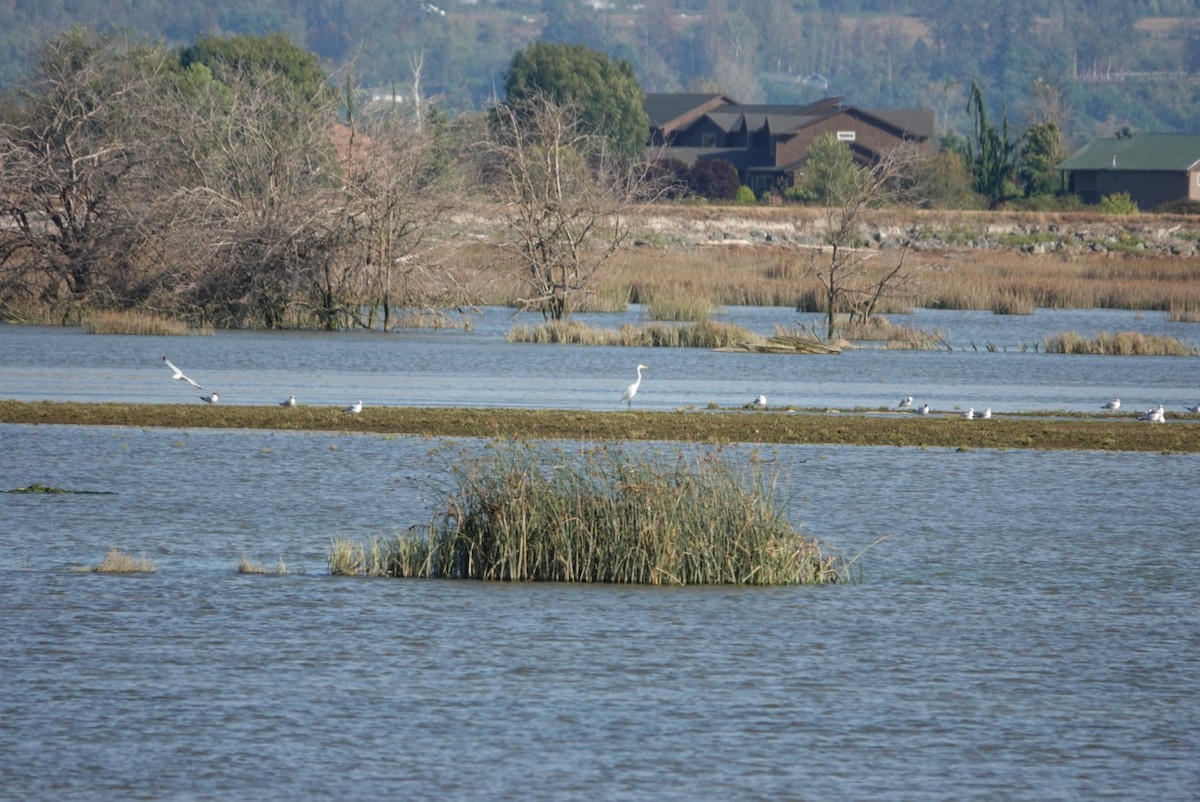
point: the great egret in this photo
(354, 408)
(1113, 406)
(905, 402)
(290, 402)
(179, 374)
(760, 402)
(210, 399)
(631, 390)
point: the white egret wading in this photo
(631, 390)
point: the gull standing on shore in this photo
(905, 402)
(289, 402)
(1113, 406)
(354, 408)
(211, 399)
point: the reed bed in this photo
(1121, 343)
(1004, 280)
(527, 513)
(703, 334)
(879, 329)
(133, 322)
(680, 308)
(120, 562)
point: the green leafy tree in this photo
(605, 93)
(830, 173)
(270, 55)
(991, 154)
(1041, 148)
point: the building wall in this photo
(1146, 189)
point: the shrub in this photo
(1118, 203)
(745, 196)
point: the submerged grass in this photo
(1100, 431)
(120, 562)
(531, 513)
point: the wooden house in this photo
(1153, 168)
(768, 144)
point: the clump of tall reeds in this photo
(120, 562)
(1121, 343)
(702, 334)
(133, 322)
(527, 513)
(879, 329)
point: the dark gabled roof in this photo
(668, 109)
(1154, 152)
(919, 122)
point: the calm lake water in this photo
(478, 368)
(1028, 631)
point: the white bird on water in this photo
(179, 374)
(1113, 406)
(760, 402)
(354, 408)
(631, 390)
(211, 399)
(905, 402)
(290, 402)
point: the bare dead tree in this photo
(77, 166)
(855, 279)
(563, 197)
(399, 185)
(258, 230)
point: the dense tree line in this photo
(231, 182)
(1109, 71)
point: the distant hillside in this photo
(1093, 65)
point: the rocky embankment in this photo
(934, 231)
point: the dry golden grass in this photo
(248, 566)
(133, 322)
(1121, 343)
(119, 562)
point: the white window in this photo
(845, 136)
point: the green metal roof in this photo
(1159, 152)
